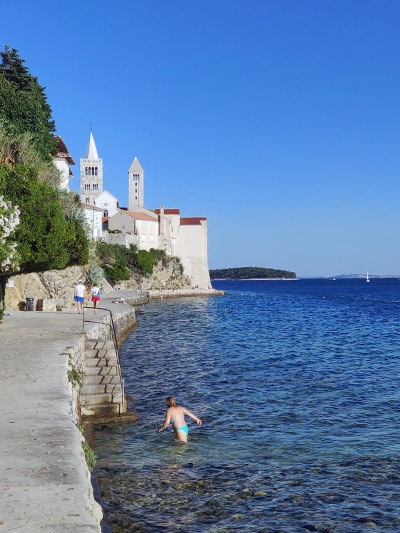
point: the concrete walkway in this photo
(44, 481)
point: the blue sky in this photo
(279, 121)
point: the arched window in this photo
(106, 212)
(92, 171)
(95, 171)
(89, 171)
(87, 200)
(86, 171)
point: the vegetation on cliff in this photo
(46, 236)
(120, 263)
(23, 104)
(251, 273)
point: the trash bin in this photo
(29, 304)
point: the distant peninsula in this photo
(251, 273)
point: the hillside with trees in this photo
(41, 228)
(251, 273)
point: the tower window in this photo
(86, 171)
(87, 200)
(89, 171)
(92, 171)
(106, 212)
(95, 171)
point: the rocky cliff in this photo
(58, 285)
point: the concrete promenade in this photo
(44, 481)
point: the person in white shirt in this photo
(79, 295)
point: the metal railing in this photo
(113, 336)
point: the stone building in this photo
(62, 160)
(91, 174)
(136, 185)
(163, 229)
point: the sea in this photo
(297, 385)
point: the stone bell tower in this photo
(136, 179)
(91, 173)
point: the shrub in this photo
(145, 261)
(45, 240)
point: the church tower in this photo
(91, 174)
(136, 179)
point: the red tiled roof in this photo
(140, 216)
(62, 150)
(192, 221)
(168, 211)
(91, 207)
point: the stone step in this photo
(101, 362)
(101, 371)
(101, 410)
(96, 379)
(101, 398)
(96, 399)
(100, 388)
(92, 354)
(98, 344)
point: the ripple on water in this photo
(299, 399)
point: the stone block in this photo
(47, 305)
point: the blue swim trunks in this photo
(79, 299)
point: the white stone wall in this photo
(94, 219)
(147, 232)
(63, 166)
(192, 250)
(108, 202)
(124, 239)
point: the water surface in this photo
(297, 386)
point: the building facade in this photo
(62, 160)
(136, 185)
(91, 167)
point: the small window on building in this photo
(86, 171)
(135, 197)
(87, 200)
(95, 171)
(105, 212)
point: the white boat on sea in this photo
(367, 278)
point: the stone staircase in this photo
(102, 391)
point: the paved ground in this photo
(43, 483)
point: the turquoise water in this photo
(297, 384)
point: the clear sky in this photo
(279, 121)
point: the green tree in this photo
(23, 103)
(45, 240)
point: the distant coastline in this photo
(251, 273)
(255, 279)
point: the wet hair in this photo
(171, 402)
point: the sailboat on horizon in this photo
(367, 278)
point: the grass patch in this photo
(89, 456)
(75, 377)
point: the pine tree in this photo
(23, 103)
